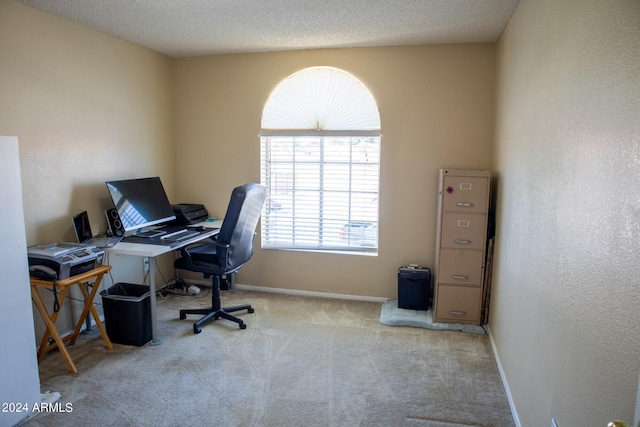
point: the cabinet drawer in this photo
(463, 267)
(467, 231)
(458, 303)
(465, 194)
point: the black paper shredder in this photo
(414, 287)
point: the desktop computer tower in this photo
(414, 287)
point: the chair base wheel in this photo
(211, 315)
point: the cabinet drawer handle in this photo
(464, 204)
(462, 242)
(459, 277)
(458, 313)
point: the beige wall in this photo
(565, 310)
(86, 108)
(436, 109)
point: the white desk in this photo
(152, 251)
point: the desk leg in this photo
(89, 308)
(152, 302)
(99, 324)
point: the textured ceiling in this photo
(180, 28)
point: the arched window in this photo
(320, 163)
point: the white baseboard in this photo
(297, 292)
(311, 293)
(505, 384)
(83, 328)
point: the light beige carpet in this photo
(301, 361)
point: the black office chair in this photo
(229, 251)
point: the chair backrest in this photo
(239, 226)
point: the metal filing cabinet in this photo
(463, 204)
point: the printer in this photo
(66, 259)
(189, 213)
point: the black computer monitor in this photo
(140, 202)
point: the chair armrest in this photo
(221, 244)
(222, 254)
(221, 250)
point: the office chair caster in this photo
(250, 310)
(197, 329)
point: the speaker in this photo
(115, 225)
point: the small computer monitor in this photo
(140, 202)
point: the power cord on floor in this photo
(181, 288)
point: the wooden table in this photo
(63, 286)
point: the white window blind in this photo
(320, 163)
(321, 98)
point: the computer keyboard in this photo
(150, 234)
(105, 242)
(186, 234)
(175, 234)
(168, 239)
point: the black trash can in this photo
(127, 313)
(414, 287)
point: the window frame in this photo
(310, 224)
